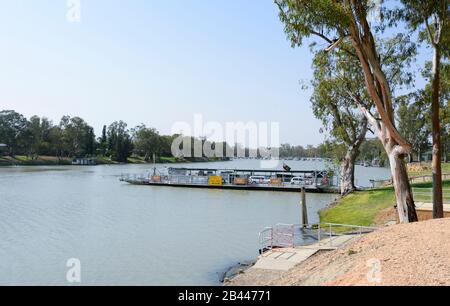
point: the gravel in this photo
(406, 254)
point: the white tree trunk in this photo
(396, 153)
(403, 193)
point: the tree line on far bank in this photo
(74, 137)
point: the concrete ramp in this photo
(274, 263)
(283, 259)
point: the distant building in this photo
(84, 162)
(2, 148)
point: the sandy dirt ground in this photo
(407, 254)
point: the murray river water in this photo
(136, 235)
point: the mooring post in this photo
(304, 209)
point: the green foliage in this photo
(304, 18)
(362, 207)
(430, 18)
(77, 137)
(414, 117)
(103, 142)
(73, 137)
(147, 142)
(322, 150)
(120, 145)
(12, 129)
(413, 121)
(337, 82)
(373, 149)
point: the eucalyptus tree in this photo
(103, 142)
(39, 130)
(77, 137)
(336, 80)
(12, 129)
(120, 143)
(146, 141)
(413, 122)
(431, 18)
(340, 23)
(445, 107)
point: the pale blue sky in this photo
(155, 62)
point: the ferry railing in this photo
(134, 178)
(204, 180)
(188, 179)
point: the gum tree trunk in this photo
(402, 187)
(438, 208)
(348, 172)
(379, 90)
(403, 194)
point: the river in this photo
(136, 235)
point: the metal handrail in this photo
(323, 229)
(266, 243)
(427, 193)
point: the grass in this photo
(362, 207)
(359, 208)
(162, 160)
(23, 158)
(136, 160)
(168, 160)
(101, 160)
(29, 161)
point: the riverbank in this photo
(406, 254)
(388, 246)
(414, 254)
(101, 160)
(367, 208)
(373, 207)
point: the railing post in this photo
(293, 235)
(330, 235)
(271, 238)
(318, 233)
(304, 209)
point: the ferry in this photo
(239, 179)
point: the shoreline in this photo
(21, 161)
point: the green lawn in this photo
(359, 208)
(23, 158)
(136, 160)
(29, 161)
(101, 160)
(169, 160)
(362, 207)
